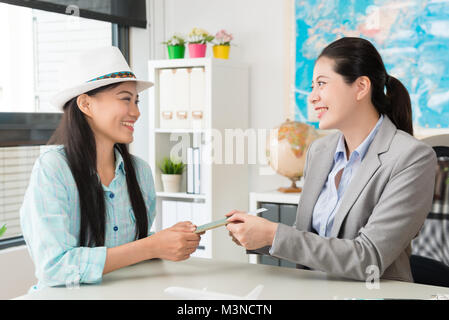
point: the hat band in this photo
(121, 74)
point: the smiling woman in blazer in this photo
(367, 189)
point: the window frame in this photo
(120, 39)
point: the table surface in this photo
(149, 279)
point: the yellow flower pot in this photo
(221, 52)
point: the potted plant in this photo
(2, 230)
(198, 39)
(175, 46)
(171, 174)
(222, 44)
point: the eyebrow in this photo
(321, 76)
(129, 92)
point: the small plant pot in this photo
(197, 50)
(221, 52)
(176, 52)
(171, 182)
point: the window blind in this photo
(129, 13)
(16, 164)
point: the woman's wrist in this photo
(148, 246)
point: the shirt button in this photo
(111, 195)
(115, 228)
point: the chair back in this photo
(433, 239)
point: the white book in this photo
(199, 214)
(183, 211)
(190, 170)
(203, 170)
(181, 98)
(197, 97)
(166, 98)
(196, 170)
(199, 217)
(169, 213)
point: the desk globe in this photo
(286, 150)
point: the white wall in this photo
(259, 30)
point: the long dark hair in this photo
(78, 139)
(356, 57)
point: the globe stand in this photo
(292, 189)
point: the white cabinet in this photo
(192, 103)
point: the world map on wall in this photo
(411, 36)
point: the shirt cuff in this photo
(273, 245)
(92, 264)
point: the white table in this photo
(147, 280)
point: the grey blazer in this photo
(382, 209)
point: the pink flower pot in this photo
(197, 50)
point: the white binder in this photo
(190, 179)
(197, 97)
(169, 214)
(196, 171)
(182, 98)
(166, 99)
(183, 211)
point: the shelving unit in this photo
(224, 186)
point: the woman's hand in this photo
(251, 232)
(178, 242)
(185, 226)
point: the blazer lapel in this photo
(368, 167)
(321, 163)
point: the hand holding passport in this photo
(221, 222)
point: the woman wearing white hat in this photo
(90, 205)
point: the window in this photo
(37, 42)
(34, 45)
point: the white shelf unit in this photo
(226, 185)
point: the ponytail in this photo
(399, 109)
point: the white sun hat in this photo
(92, 69)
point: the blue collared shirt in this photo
(50, 219)
(330, 197)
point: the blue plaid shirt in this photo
(50, 219)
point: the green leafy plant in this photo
(2, 230)
(175, 40)
(168, 166)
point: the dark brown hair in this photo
(78, 139)
(356, 57)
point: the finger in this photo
(192, 237)
(191, 248)
(238, 217)
(184, 227)
(231, 213)
(231, 228)
(182, 223)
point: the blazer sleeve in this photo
(394, 222)
(266, 250)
